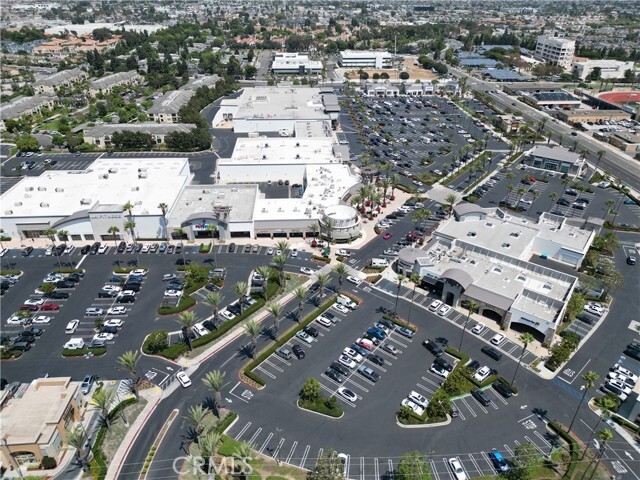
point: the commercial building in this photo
(482, 255)
(165, 109)
(365, 59)
(105, 85)
(23, 106)
(294, 63)
(509, 123)
(385, 89)
(590, 115)
(556, 159)
(64, 78)
(555, 51)
(277, 109)
(100, 135)
(608, 68)
(35, 424)
(627, 142)
(560, 99)
(86, 203)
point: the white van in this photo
(347, 302)
(379, 262)
(74, 344)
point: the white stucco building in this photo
(555, 50)
(365, 59)
(608, 68)
(294, 63)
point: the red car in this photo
(31, 308)
(50, 306)
(387, 235)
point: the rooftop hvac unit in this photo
(42, 189)
(27, 195)
(59, 189)
(8, 212)
(139, 202)
(266, 145)
(142, 170)
(28, 189)
(135, 189)
(264, 157)
(17, 204)
(44, 204)
(85, 201)
(142, 175)
(297, 155)
(105, 176)
(298, 144)
(113, 170)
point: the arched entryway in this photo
(492, 315)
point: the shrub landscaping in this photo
(205, 248)
(126, 270)
(311, 399)
(11, 272)
(561, 352)
(79, 352)
(185, 302)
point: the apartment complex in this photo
(608, 68)
(100, 135)
(22, 106)
(165, 109)
(365, 59)
(64, 78)
(294, 63)
(555, 50)
(105, 85)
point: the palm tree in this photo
(356, 200)
(50, 233)
(63, 235)
(275, 309)
(187, 320)
(113, 231)
(341, 270)
(322, 279)
(395, 181)
(243, 454)
(163, 208)
(213, 229)
(419, 216)
(600, 154)
(77, 438)
(131, 226)
(606, 404)
(209, 445)
(195, 416)
(590, 378)
(609, 203)
(553, 196)
(240, 289)
(282, 245)
(279, 262)
(415, 279)
(215, 381)
(252, 329)
(604, 436)
(128, 207)
(301, 295)
(265, 272)
(314, 228)
(526, 338)
(213, 300)
(472, 307)
(451, 200)
(400, 279)
(521, 191)
(510, 189)
(385, 183)
(329, 225)
(102, 401)
(129, 361)
(535, 194)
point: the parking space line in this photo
(499, 397)
(319, 455)
(431, 382)
(486, 459)
(293, 447)
(264, 445)
(544, 440)
(391, 474)
(434, 470)
(425, 388)
(475, 464)
(506, 447)
(254, 436)
(463, 400)
(246, 427)
(364, 389)
(265, 372)
(535, 445)
(376, 469)
(447, 469)
(277, 450)
(480, 405)
(304, 456)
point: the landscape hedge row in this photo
(10, 272)
(185, 302)
(574, 448)
(262, 356)
(97, 352)
(68, 270)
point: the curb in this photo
(426, 425)
(318, 413)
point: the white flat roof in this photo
(282, 150)
(363, 54)
(58, 193)
(196, 199)
(280, 103)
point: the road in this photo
(620, 166)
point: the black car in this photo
(109, 294)
(25, 339)
(371, 338)
(474, 365)
(232, 247)
(564, 202)
(298, 352)
(586, 319)
(491, 352)
(65, 284)
(59, 250)
(182, 262)
(441, 362)
(113, 330)
(377, 359)
(311, 331)
(211, 287)
(341, 369)
(388, 324)
(139, 247)
(503, 389)
(28, 333)
(122, 246)
(633, 353)
(74, 277)
(127, 299)
(84, 250)
(433, 347)
(59, 295)
(94, 248)
(333, 375)
(209, 325)
(480, 396)
(361, 350)
(27, 251)
(134, 287)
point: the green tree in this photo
(451, 201)
(252, 329)
(415, 279)
(323, 280)
(526, 457)
(328, 467)
(157, 341)
(279, 262)
(102, 400)
(214, 380)
(77, 439)
(240, 290)
(47, 288)
(27, 143)
(341, 270)
(265, 272)
(400, 279)
(243, 454)
(472, 307)
(129, 361)
(275, 309)
(187, 320)
(575, 305)
(589, 378)
(209, 445)
(311, 389)
(301, 295)
(214, 300)
(414, 466)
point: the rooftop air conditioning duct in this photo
(44, 204)
(59, 189)
(8, 212)
(142, 175)
(135, 189)
(85, 201)
(17, 204)
(42, 189)
(105, 176)
(113, 170)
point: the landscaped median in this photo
(311, 399)
(81, 352)
(247, 371)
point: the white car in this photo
(417, 409)
(439, 371)
(103, 336)
(595, 309)
(200, 329)
(184, 379)
(305, 337)
(269, 251)
(117, 311)
(624, 371)
(145, 248)
(294, 252)
(618, 383)
(354, 280)
(347, 394)
(103, 248)
(478, 328)
(418, 399)
(350, 352)
(497, 339)
(52, 278)
(69, 249)
(49, 251)
(443, 310)
(34, 301)
(17, 320)
(139, 272)
(71, 327)
(630, 382)
(307, 270)
(173, 293)
(169, 277)
(227, 314)
(111, 288)
(93, 312)
(41, 319)
(482, 374)
(435, 305)
(347, 361)
(341, 308)
(37, 291)
(456, 468)
(113, 322)
(343, 253)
